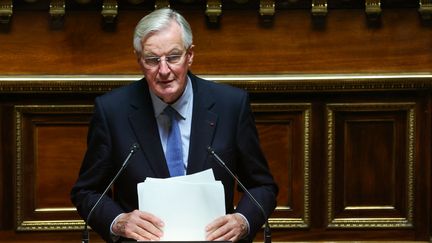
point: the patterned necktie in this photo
(174, 150)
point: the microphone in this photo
(267, 230)
(85, 234)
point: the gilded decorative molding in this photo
(23, 224)
(319, 8)
(306, 109)
(57, 13)
(50, 225)
(6, 11)
(372, 9)
(267, 7)
(425, 9)
(370, 222)
(161, 4)
(109, 11)
(214, 11)
(267, 10)
(57, 8)
(251, 83)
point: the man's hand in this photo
(138, 225)
(231, 227)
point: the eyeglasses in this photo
(155, 61)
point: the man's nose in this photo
(164, 67)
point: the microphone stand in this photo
(267, 230)
(85, 233)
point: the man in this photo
(206, 113)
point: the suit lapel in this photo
(203, 125)
(145, 127)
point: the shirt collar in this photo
(180, 105)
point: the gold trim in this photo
(55, 209)
(319, 8)
(109, 11)
(252, 83)
(36, 225)
(51, 225)
(373, 7)
(371, 222)
(214, 10)
(306, 108)
(162, 4)
(6, 11)
(267, 8)
(57, 8)
(425, 9)
(369, 207)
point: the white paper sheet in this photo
(186, 204)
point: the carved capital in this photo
(57, 12)
(5, 11)
(162, 4)
(425, 9)
(109, 11)
(267, 10)
(373, 9)
(214, 11)
(267, 7)
(319, 8)
(57, 8)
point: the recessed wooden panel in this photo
(50, 141)
(59, 151)
(284, 134)
(370, 165)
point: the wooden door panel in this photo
(370, 164)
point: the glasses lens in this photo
(152, 61)
(173, 59)
(155, 61)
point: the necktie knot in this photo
(170, 112)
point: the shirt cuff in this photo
(114, 237)
(247, 225)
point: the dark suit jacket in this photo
(221, 118)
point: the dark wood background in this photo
(342, 105)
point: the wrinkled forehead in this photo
(166, 39)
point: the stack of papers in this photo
(186, 204)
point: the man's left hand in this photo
(230, 227)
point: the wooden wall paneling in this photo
(292, 115)
(290, 45)
(284, 129)
(2, 171)
(371, 165)
(423, 165)
(7, 160)
(50, 143)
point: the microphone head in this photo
(209, 149)
(135, 147)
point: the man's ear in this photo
(191, 54)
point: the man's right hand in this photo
(138, 225)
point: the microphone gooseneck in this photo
(267, 230)
(85, 234)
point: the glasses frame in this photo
(155, 61)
